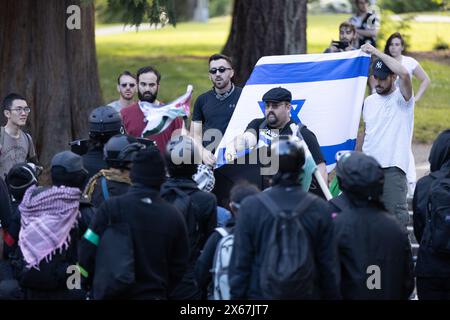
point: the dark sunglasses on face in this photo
(124, 85)
(221, 70)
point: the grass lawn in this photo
(181, 55)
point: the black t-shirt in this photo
(215, 113)
(308, 136)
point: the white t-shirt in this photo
(410, 64)
(389, 126)
(116, 105)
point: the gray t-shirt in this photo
(13, 151)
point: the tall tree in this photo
(264, 27)
(54, 67)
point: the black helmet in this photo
(104, 122)
(120, 150)
(290, 153)
(182, 156)
(360, 175)
(20, 177)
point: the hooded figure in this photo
(374, 252)
(49, 232)
(199, 208)
(21, 177)
(158, 231)
(432, 269)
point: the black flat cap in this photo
(277, 95)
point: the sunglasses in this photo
(221, 70)
(124, 85)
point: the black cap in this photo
(148, 168)
(70, 161)
(277, 95)
(360, 175)
(381, 70)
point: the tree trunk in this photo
(53, 67)
(264, 27)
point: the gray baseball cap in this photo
(70, 161)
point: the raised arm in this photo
(395, 66)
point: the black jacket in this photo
(114, 188)
(50, 281)
(205, 211)
(159, 237)
(368, 236)
(430, 263)
(202, 209)
(253, 225)
(205, 262)
(340, 203)
(5, 204)
(93, 160)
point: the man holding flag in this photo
(389, 119)
(148, 118)
(277, 121)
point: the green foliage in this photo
(440, 44)
(218, 8)
(389, 26)
(135, 12)
(401, 6)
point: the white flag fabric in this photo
(327, 96)
(159, 118)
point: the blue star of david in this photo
(295, 110)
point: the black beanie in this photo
(148, 168)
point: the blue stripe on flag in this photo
(329, 152)
(282, 73)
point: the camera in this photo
(341, 44)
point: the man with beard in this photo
(277, 121)
(135, 116)
(214, 108)
(126, 86)
(388, 118)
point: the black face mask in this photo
(150, 97)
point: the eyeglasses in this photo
(20, 110)
(221, 70)
(131, 85)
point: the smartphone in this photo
(340, 44)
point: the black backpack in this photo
(287, 265)
(438, 215)
(114, 262)
(183, 202)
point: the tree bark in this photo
(53, 67)
(264, 27)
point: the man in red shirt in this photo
(134, 120)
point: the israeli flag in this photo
(327, 96)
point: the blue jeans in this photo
(395, 190)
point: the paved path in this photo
(425, 18)
(421, 153)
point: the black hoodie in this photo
(430, 263)
(200, 218)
